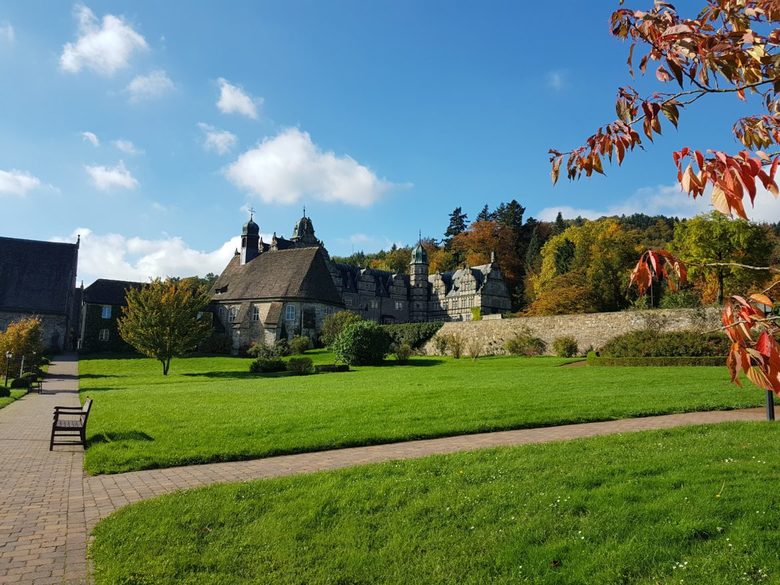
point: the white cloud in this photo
(17, 183)
(7, 34)
(219, 141)
(289, 167)
(233, 100)
(90, 137)
(668, 200)
(106, 178)
(556, 79)
(146, 87)
(102, 47)
(127, 147)
(132, 258)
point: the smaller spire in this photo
(304, 211)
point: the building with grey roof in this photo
(101, 308)
(39, 279)
(286, 287)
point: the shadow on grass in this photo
(229, 375)
(93, 376)
(120, 436)
(413, 362)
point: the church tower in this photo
(250, 240)
(418, 278)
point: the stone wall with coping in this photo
(591, 330)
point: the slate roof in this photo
(297, 273)
(37, 277)
(109, 292)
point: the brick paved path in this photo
(48, 504)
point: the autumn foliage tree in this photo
(21, 338)
(165, 319)
(730, 48)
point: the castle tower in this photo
(418, 278)
(303, 232)
(250, 240)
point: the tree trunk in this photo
(720, 287)
(166, 363)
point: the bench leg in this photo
(51, 442)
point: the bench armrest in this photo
(67, 409)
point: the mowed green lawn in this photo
(211, 409)
(15, 395)
(689, 505)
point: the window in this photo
(291, 312)
(103, 334)
(255, 313)
(348, 301)
(399, 305)
(106, 312)
(232, 312)
(374, 304)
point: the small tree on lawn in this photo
(164, 319)
(730, 48)
(21, 338)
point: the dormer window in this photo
(221, 290)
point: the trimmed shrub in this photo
(263, 365)
(403, 352)
(328, 368)
(594, 360)
(300, 366)
(525, 343)
(300, 344)
(20, 383)
(362, 343)
(334, 324)
(282, 347)
(476, 314)
(648, 343)
(4, 392)
(414, 334)
(565, 346)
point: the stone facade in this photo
(54, 329)
(591, 330)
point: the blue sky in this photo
(150, 127)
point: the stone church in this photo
(286, 287)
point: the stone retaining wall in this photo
(591, 330)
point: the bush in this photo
(282, 347)
(474, 348)
(300, 344)
(260, 349)
(476, 314)
(216, 343)
(263, 365)
(414, 334)
(565, 346)
(525, 343)
(403, 352)
(4, 392)
(327, 368)
(441, 342)
(300, 366)
(334, 324)
(20, 383)
(649, 343)
(362, 343)
(455, 343)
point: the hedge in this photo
(594, 360)
(650, 343)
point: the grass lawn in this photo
(212, 409)
(689, 505)
(16, 394)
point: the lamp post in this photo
(8, 356)
(770, 405)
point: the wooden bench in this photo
(70, 421)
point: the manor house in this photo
(286, 287)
